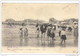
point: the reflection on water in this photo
(11, 37)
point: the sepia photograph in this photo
(40, 27)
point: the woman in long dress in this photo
(52, 35)
(76, 35)
(26, 36)
(21, 37)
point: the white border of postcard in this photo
(37, 2)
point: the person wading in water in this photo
(23, 35)
(63, 37)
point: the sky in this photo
(38, 11)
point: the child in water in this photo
(63, 36)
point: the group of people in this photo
(49, 30)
